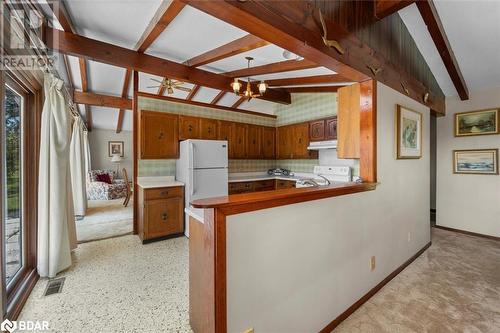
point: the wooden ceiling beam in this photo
(218, 97)
(436, 30)
(294, 26)
(307, 80)
(121, 113)
(193, 92)
(165, 14)
(85, 88)
(87, 98)
(383, 8)
(68, 43)
(207, 105)
(320, 89)
(276, 67)
(238, 102)
(240, 45)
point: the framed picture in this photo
(476, 161)
(115, 148)
(476, 123)
(408, 133)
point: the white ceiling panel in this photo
(192, 33)
(258, 105)
(105, 79)
(317, 85)
(205, 95)
(120, 22)
(292, 74)
(262, 56)
(145, 82)
(228, 99)
(74, 67)
(106, 118)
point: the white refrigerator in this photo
(203, 168)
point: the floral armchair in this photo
(98, 190)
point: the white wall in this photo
(98, 141)
(467, 202)
(295, 268)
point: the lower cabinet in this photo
(161, 213)
(283, 184)
(260, 185)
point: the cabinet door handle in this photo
(164, 216)
(300, 140)
(209, 130)
(160, 136)
(163, 193)
(190, 128)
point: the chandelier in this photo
(248, 93)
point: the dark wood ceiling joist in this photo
(80, 46)
(238, 102)
(307, 80)
(436, 30)
(193, 92)
(85, 88)
(87, 99)
(165, 14)
(383, 8)
(218, 97)
(276, 67)
(121, 112)
(294, 25)
(240, 45)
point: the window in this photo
(12, 173)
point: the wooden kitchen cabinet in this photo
(189, 127)
(300, 141)
(331, 128)
(283, 184)
(268, 142)
(158, 135)
(284, 142)
(252, 186)
(225, 132)
(208, 129)
(348, 126)
(161, 213)
(292, 142)
(239, 137)
(317, 130)
(254, 139)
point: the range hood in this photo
(317, 145)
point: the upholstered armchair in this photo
(100, 190)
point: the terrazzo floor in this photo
(120, 285)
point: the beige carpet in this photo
(119, 285)
(104, 219)
(453, 287)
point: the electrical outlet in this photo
(249, 330)
(372, 263)
(409, 236)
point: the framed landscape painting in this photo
(408, 133)
(479, 161)
(477, 123)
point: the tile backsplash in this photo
(251, 165)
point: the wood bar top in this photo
(247, 202)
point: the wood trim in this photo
(193, 92)
(320, 89)
(135, 127)
(438, 34)
(276, 67)
(107, 53)
(165, 14)
(21, 295)
(335, 78)
(368, 131)
(238, 102)
(469, 233)
(383, 8)
(218, 97)
(344, 315)
(247, 202)
(207, 105)
(87, 98)
(240, 45)
(121, 112)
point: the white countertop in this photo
(256, 176)
(155, 182)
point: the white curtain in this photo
(56, 222)
(86, 152)
(77, 167)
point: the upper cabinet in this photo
(331, 128)
(239, 139)
(348, 127)
(189, 127)
(158, 135)
(208, 129)
(225, 132)
(254, 138)
(292, 142)
(269, 142)
(323, 129)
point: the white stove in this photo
(326, 175)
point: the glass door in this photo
(12, 173)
